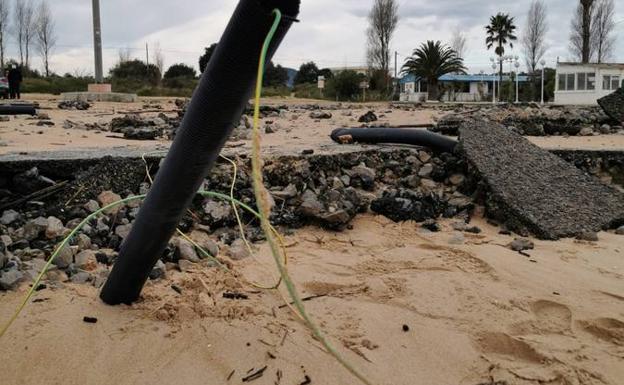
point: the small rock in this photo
(186, 251)
(320, 115)
(142, 133)
(238, 250)
(426, 171)
(457, 179)
(424, 157)
(83, 242)
(107, 198)
(620, 231)
(288, 193)
(473, 230)
(586, 131)
(55, 228)
(588, 236)
(368, 117)
(431, 225)
(9, 217)
(10, 279)
(218, 211)
(86, 260)
(81, 277)
(159, 271)
(185, 265)
(91, 206)
(33, 228)
(64, 258)
(310, 205)
(123, 231)
(521, 244)
(459, 226)
(269, 129)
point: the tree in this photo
(136, 70)
(534, 38)
(383, 20)
(500, 32)
(4, 28)
(159, 58)
(205, 58)
(581, 31)
(275, 76)
(431, 61)
(308, 73)
(603, 28)
(345, 85)
(459, 43)
(180, 71)
(46, 34)
(25, 28)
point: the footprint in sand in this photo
(550, 318)
(504, 344)
(606, 329)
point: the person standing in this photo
(15, 81)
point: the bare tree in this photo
(534, 38)
(459, 43)
(46, 34)
(4, 28)
(580, 34)
(603, 28)
(383, 20)
(18, 29)
(24, 29)
(125, 54)
(159, 58)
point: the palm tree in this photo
(500, 32)
(431, 61)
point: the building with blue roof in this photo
(455, 87)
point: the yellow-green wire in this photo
(264, 209)
(75, 231)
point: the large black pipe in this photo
(216, 107)
(416, 137)
(16, 109)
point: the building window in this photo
(581, 81)
(561, 84)
(570, 82)
(591, 81)
(610, 82)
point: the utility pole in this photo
(147, 54)
(396, 72)
(97, 42)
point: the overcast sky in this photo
(331, 32)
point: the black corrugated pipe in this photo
(15, 109)
(376, 135)
(216, 107)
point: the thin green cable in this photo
(264, 209)
(75, 231)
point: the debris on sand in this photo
(74, 105)
(368, 117)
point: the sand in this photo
(296, 129)
(405, 306)
(476, 313)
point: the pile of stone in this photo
(134, 127)
(533, 120)
(74, 105)
(325, 190)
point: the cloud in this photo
(331, 32)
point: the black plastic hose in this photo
(416, 137)
(216, 107)
(14, 109)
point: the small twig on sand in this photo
(305, 299)
(255, 375)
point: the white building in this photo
(467, 88)
(582, 84)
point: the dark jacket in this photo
(15, 76)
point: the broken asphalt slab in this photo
(613, 105)
(532, 190)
